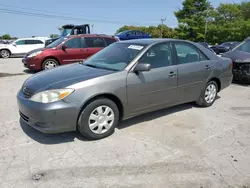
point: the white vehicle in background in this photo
(22, 46)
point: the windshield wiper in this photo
(97, 67)
(89, 65)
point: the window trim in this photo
(188, 44)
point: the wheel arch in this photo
(6, 49)
(109, 96)
(49, 57)
(218, 82)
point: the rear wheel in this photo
(49, 64)
(98, 119)
(5, 53)
(208, 95)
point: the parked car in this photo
(70, 29)
(71, 49)
(241, 61)
(125, 79)
(224, 47)
(132, 34)
(21, 46)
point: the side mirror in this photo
(14, 44)
(141, 67)
(64, 47)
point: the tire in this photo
(49, 64)
(90, 115)
(204, 100)
(5, 54)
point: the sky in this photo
(105, 15)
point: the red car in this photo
(66, 50)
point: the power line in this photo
(53, 16)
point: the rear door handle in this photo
(171, 74)
(207, 67)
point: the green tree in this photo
(6, 37)
(54, 36)
(192, 19)
(245, 7)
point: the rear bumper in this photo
(55, 117)
(226, 79)
(33, 63)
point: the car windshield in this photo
(56, 42)
(114, 57)
(66, 31)
(244, 47)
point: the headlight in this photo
(35, 54)
(51, 95)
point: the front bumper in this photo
(54, 117)
(33, 63)
(241, 72)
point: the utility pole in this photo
(162, 20)
(206, 22)
(92, 28)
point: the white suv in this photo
(22, 46)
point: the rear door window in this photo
(38, 42)
(94, 42)
(29, 42)
(187, 53)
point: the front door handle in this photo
(84, 50)
(207, 67)
(171, 74)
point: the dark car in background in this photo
(224, 47)
(132, 34)
(66, 50)
(241, 61)
(70, 29)
(206, 45)
(125, 79)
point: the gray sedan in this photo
(126, 79)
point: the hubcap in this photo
(50, 65)
(5, 54)
(210, 93)
(101, 119)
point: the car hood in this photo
(63, 76)
(37, 50)
(238, 56)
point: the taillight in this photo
(231, 65)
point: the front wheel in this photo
(5, 53)
(49, 64)
(208, 95)
(98, 119)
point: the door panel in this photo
(191, 79)
(156, 88)
(73, 51)
(148, 90)
(193, 70)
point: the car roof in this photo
(33, 38)
(91, 35)
(150, 41)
